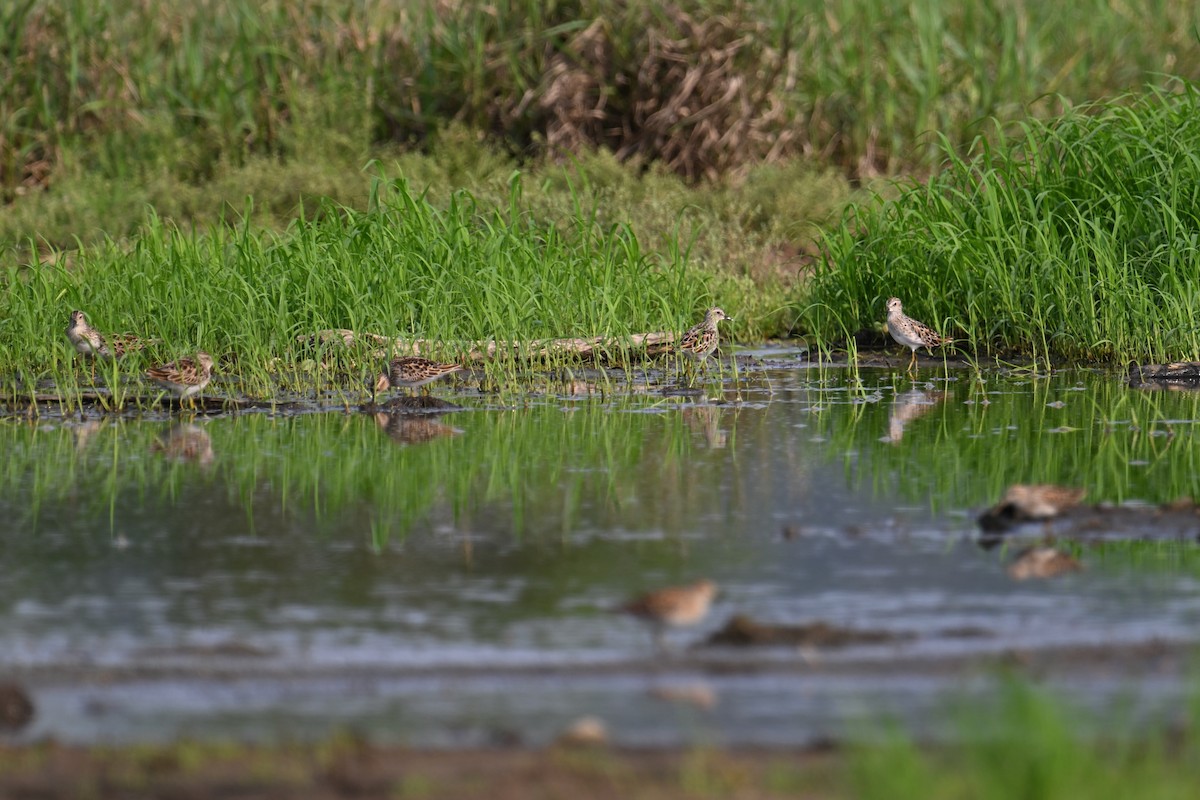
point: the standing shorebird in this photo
(411, 372)
(183, 378)
(674, 606)
(700, 340)
(88, 341)
(909, 332)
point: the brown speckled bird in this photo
(909, 332)
(1042, 500)
(185, 377)
(90, 342)
(700, 340)
(413, 371)
(674, 606)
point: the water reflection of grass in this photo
(1171, 557)
(966, 448)
(542, 466)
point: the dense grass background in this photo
(1080, 238)
(188, 107)
(124, 83)
(122, 120)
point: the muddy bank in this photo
(347, 768)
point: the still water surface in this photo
(449, 579)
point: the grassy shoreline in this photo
(237, 216)
(1077, 239)
(1031, 748)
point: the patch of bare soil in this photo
(352, 769)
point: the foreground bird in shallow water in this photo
(674, 606)
(909, 332)
(413, 371)
(700, 340)
(90, 342)
(183, 378)
(1042, 500)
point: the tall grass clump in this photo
(1079, 238)
(1029, 743)
(404, 268)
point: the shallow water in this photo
(448, 579)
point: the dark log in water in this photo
(744, 631)
(1177, 520)
(1176, 375)
(596, 347)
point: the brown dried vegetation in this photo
(699, 95)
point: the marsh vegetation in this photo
(236, 177)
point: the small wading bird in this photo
(674, 606)
(700, 340)
(909, 332)
(184, 378)
(1042, 500)
(411, 372)
(90, 342)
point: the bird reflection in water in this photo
(910, 406)
(185, 442)
(415, 420)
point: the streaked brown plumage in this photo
(413, 371)
(908, 331)
(674, 606)
(700, 340)
(1042, 500)
(90, 342)
(183, 378)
